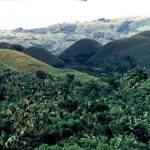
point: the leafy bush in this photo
(44, 113)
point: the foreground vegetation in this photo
(44, 113)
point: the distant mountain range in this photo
(56, 38)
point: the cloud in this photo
(39, 13)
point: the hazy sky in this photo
(41, 13)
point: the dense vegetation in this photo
(44, 113)
(46, 108)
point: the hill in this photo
(80, 51)
(126, 52)
(44, 56)
(25, 63)
(21, 61)
(56, 38)
(4, 45)
(17, 47)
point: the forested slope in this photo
(40, 112)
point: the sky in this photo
(42, 13)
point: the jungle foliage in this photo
(39, 112)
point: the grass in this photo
(137, 47)
(80, 51)
(43, 55)
(23, 62)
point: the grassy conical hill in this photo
(23, 62)
(44, 56)
(127, 51)
(80, 51)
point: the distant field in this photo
(56, 38)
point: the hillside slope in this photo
(128, 51)
(80, 51)
(17, 47)
(23, 62)
(44, 56)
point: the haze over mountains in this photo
(57, 38)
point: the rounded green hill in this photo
(128, 51)
(44, 56)
(80, 51)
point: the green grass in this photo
(80, 51)
(137, 47)
(43, 55)
(23, 62)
